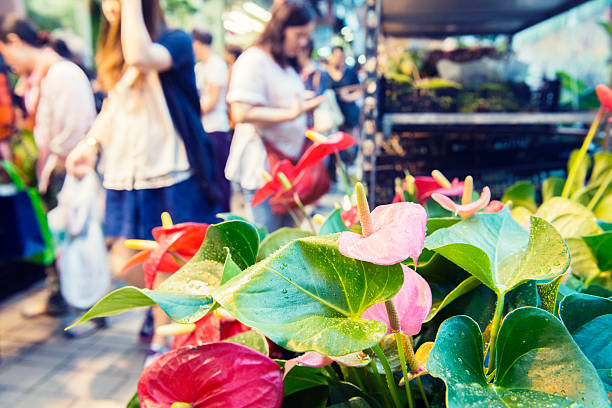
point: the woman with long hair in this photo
(155, 154)
(267, 101)
(60, 115)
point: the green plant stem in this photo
(356, 379)
(581, 153)
(402, 359)
(294, 217)
(499, 311)
(388, 375)
(422, 390)
(600, 191)
(345, 372)
(345, 180)
(379, 383)
(297, 200)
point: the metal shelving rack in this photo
(440, 19)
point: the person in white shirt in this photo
(211, 78)
(266, 97)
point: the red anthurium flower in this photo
(323, 147)
(285, 180)
(398, 233)
(412, 302)
(173, 246)
(207, 330)
(314, 359)
(214, 375)
(426, 186)
(604, 94)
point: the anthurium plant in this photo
(382, 308)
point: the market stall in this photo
(478, 107)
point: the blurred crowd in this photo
(165, 125)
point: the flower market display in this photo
(494, 304)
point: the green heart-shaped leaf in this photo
(278, 239)
(521, 193)
(601, 247)
(569, 218)
(233, 217)
(548, 293)
(240, 237)
(252, 339)
(552, 187)
(499, 252)
(603, 211)
(538, 364)
(333, 223)
(309, 297)
(464, 287)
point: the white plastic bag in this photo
(82, 263)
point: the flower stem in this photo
(422, 390)
(600, 191)
(402, 359)
(364, 210)
(355, 377)
(379, 383)
(340, 165)
(581, 153)
(294, 217)
(499, 311)
(297, 200)
(388, 375)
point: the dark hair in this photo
(109, 57)
(22, 28)
(309, 49)
(291, 13)
(338, 47)
(202, 36)
(235, 50)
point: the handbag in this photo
(24, 232)
(327, 116)
(313, 184)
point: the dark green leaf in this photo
(278, 239)
(303, 377)
(261, 231)
(333, 223)
(434, 224)
(601, 247)
(499, 252)
(577, 310)
(435, 210)
(342, 391)
(548, 293)
(552, 187)
(252, 339)
(606, 226)
(538, 364)
(355, 402)
(314, 397)
(308, 296)
(464, 287)
(240, 237)
(569, 218)
(522, 194)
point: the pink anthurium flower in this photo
(314, 359)
(493, 207)
(350, 216)
(323, 147)
(398, 233)
(214, 375)
(467, 210)
(413, 304)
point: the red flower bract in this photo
(604, 94)
(319, 151)
(300, 181)
(180, 240)
(426, 186)
(214, 375)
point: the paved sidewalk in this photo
(41, 368)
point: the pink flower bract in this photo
(412, 302)
(214, 375)
(399, 234)
(466, 210)
(604, 94)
